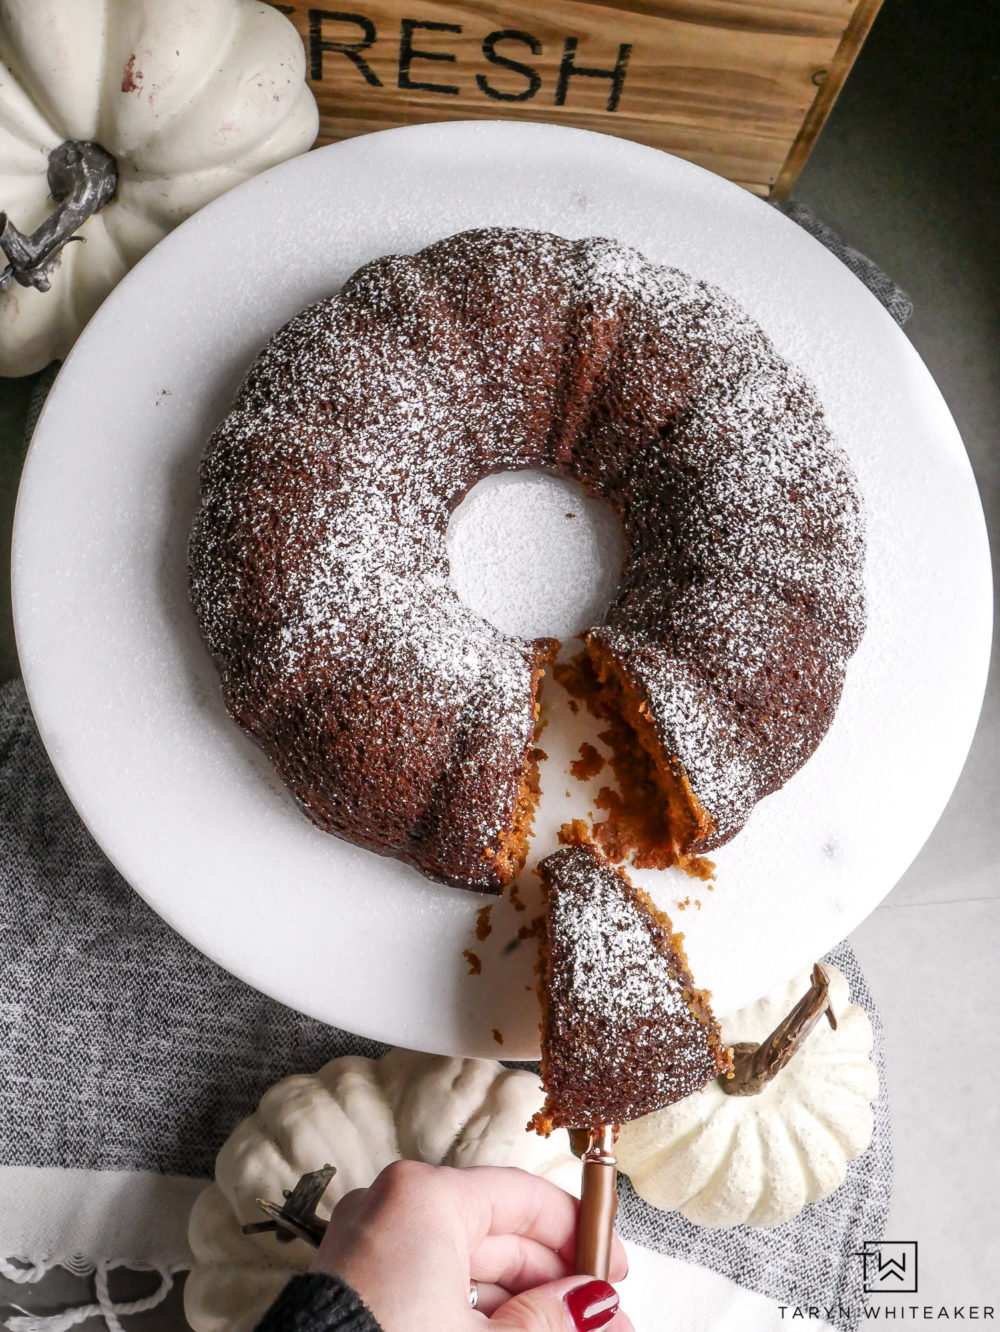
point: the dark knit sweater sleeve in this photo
(316, 1302)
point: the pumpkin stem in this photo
(755, 1065)
(82, 177)
(297, 1218)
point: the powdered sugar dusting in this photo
(630, 981)
(744, 599)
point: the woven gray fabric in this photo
(892, 296)
(125, 1048)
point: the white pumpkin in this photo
(725, 1160)
(359, 1115)
(189, 97)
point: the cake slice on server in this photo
(624, 1030)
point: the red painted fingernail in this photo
(591, 1305)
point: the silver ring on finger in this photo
(473, 1294)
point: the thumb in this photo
(574, 1304)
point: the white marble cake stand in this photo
(191, 813)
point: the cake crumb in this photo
(516, 901)
(575, 833)
(700, 867)
(572, 675)
(539, 755)
(498, 1035)
(484, 926)
(474, 960)
(533, 930)
(589, 764)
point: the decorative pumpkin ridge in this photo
(186, 101)
(756, 1152)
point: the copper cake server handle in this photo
(598, 1203)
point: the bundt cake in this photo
(624, 1031)
(397, 716)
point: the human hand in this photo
(412, 1243)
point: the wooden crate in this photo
(739, 86)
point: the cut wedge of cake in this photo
(624, 1030)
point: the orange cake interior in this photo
(653, 816)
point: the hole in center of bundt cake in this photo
(534, 554)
